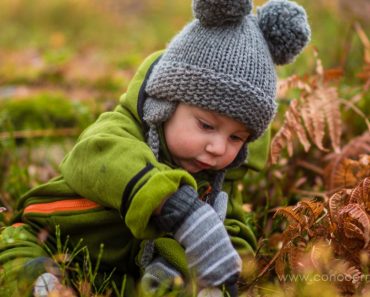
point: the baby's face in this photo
(198, 139)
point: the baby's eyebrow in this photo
(244, 131)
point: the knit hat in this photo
(224, 61)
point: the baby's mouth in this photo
(202, 165)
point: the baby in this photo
(145, 180)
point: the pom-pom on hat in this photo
(216, 13)
(224, 60)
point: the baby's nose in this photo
(217, 146)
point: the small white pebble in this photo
(210, 292)
(44, 284)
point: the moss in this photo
(45, 111)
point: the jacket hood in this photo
(135, 95)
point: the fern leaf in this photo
(315, 208)
(290, 233)
(282, 139)
(355, 223)
(361, 195)
(292, 82)
(290, 214)
(329, 97)
(350, 276)
(336, 202)
(313, 117)
(295, 256)
(357, 146)
(349, 173)
(295, 124)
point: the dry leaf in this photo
(357, 146)
(314, 118)
(290, 214)
(354, 226)
(329, 96)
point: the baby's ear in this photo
(285, 27)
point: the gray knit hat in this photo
(224, 61)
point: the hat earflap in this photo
(219, 12)
(285, 27)
(156, 112)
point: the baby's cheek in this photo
(231, 156)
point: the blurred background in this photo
(63, 62)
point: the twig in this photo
(39, 133)
(308, 193)
(311, 167)
(266, 268)
(356, 110)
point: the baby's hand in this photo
(208, 248)
(198, 228)
(220, 205)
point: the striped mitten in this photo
(198, 228)
(160, 275)
(220, 205)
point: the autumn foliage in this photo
(330, 234)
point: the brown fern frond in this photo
(319, 68)
(314, 119)
(320, 255)
(357, 146)
(354, 227)
(292, 82)
(318, 105)
(315, 208)
(281, 140)
(361, 195)
(295, 256)
(291, 215)
(336, 202)
(347, 276)
(329, 97)
(284, 138)
(350, 172)
(294, 120)
(290, 233)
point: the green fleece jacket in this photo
(111, 183)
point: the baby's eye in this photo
(205, 126)
(236, 138)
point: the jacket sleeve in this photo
(112, 165)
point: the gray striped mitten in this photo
(160, 275)
(220, 205)
(198, 228)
